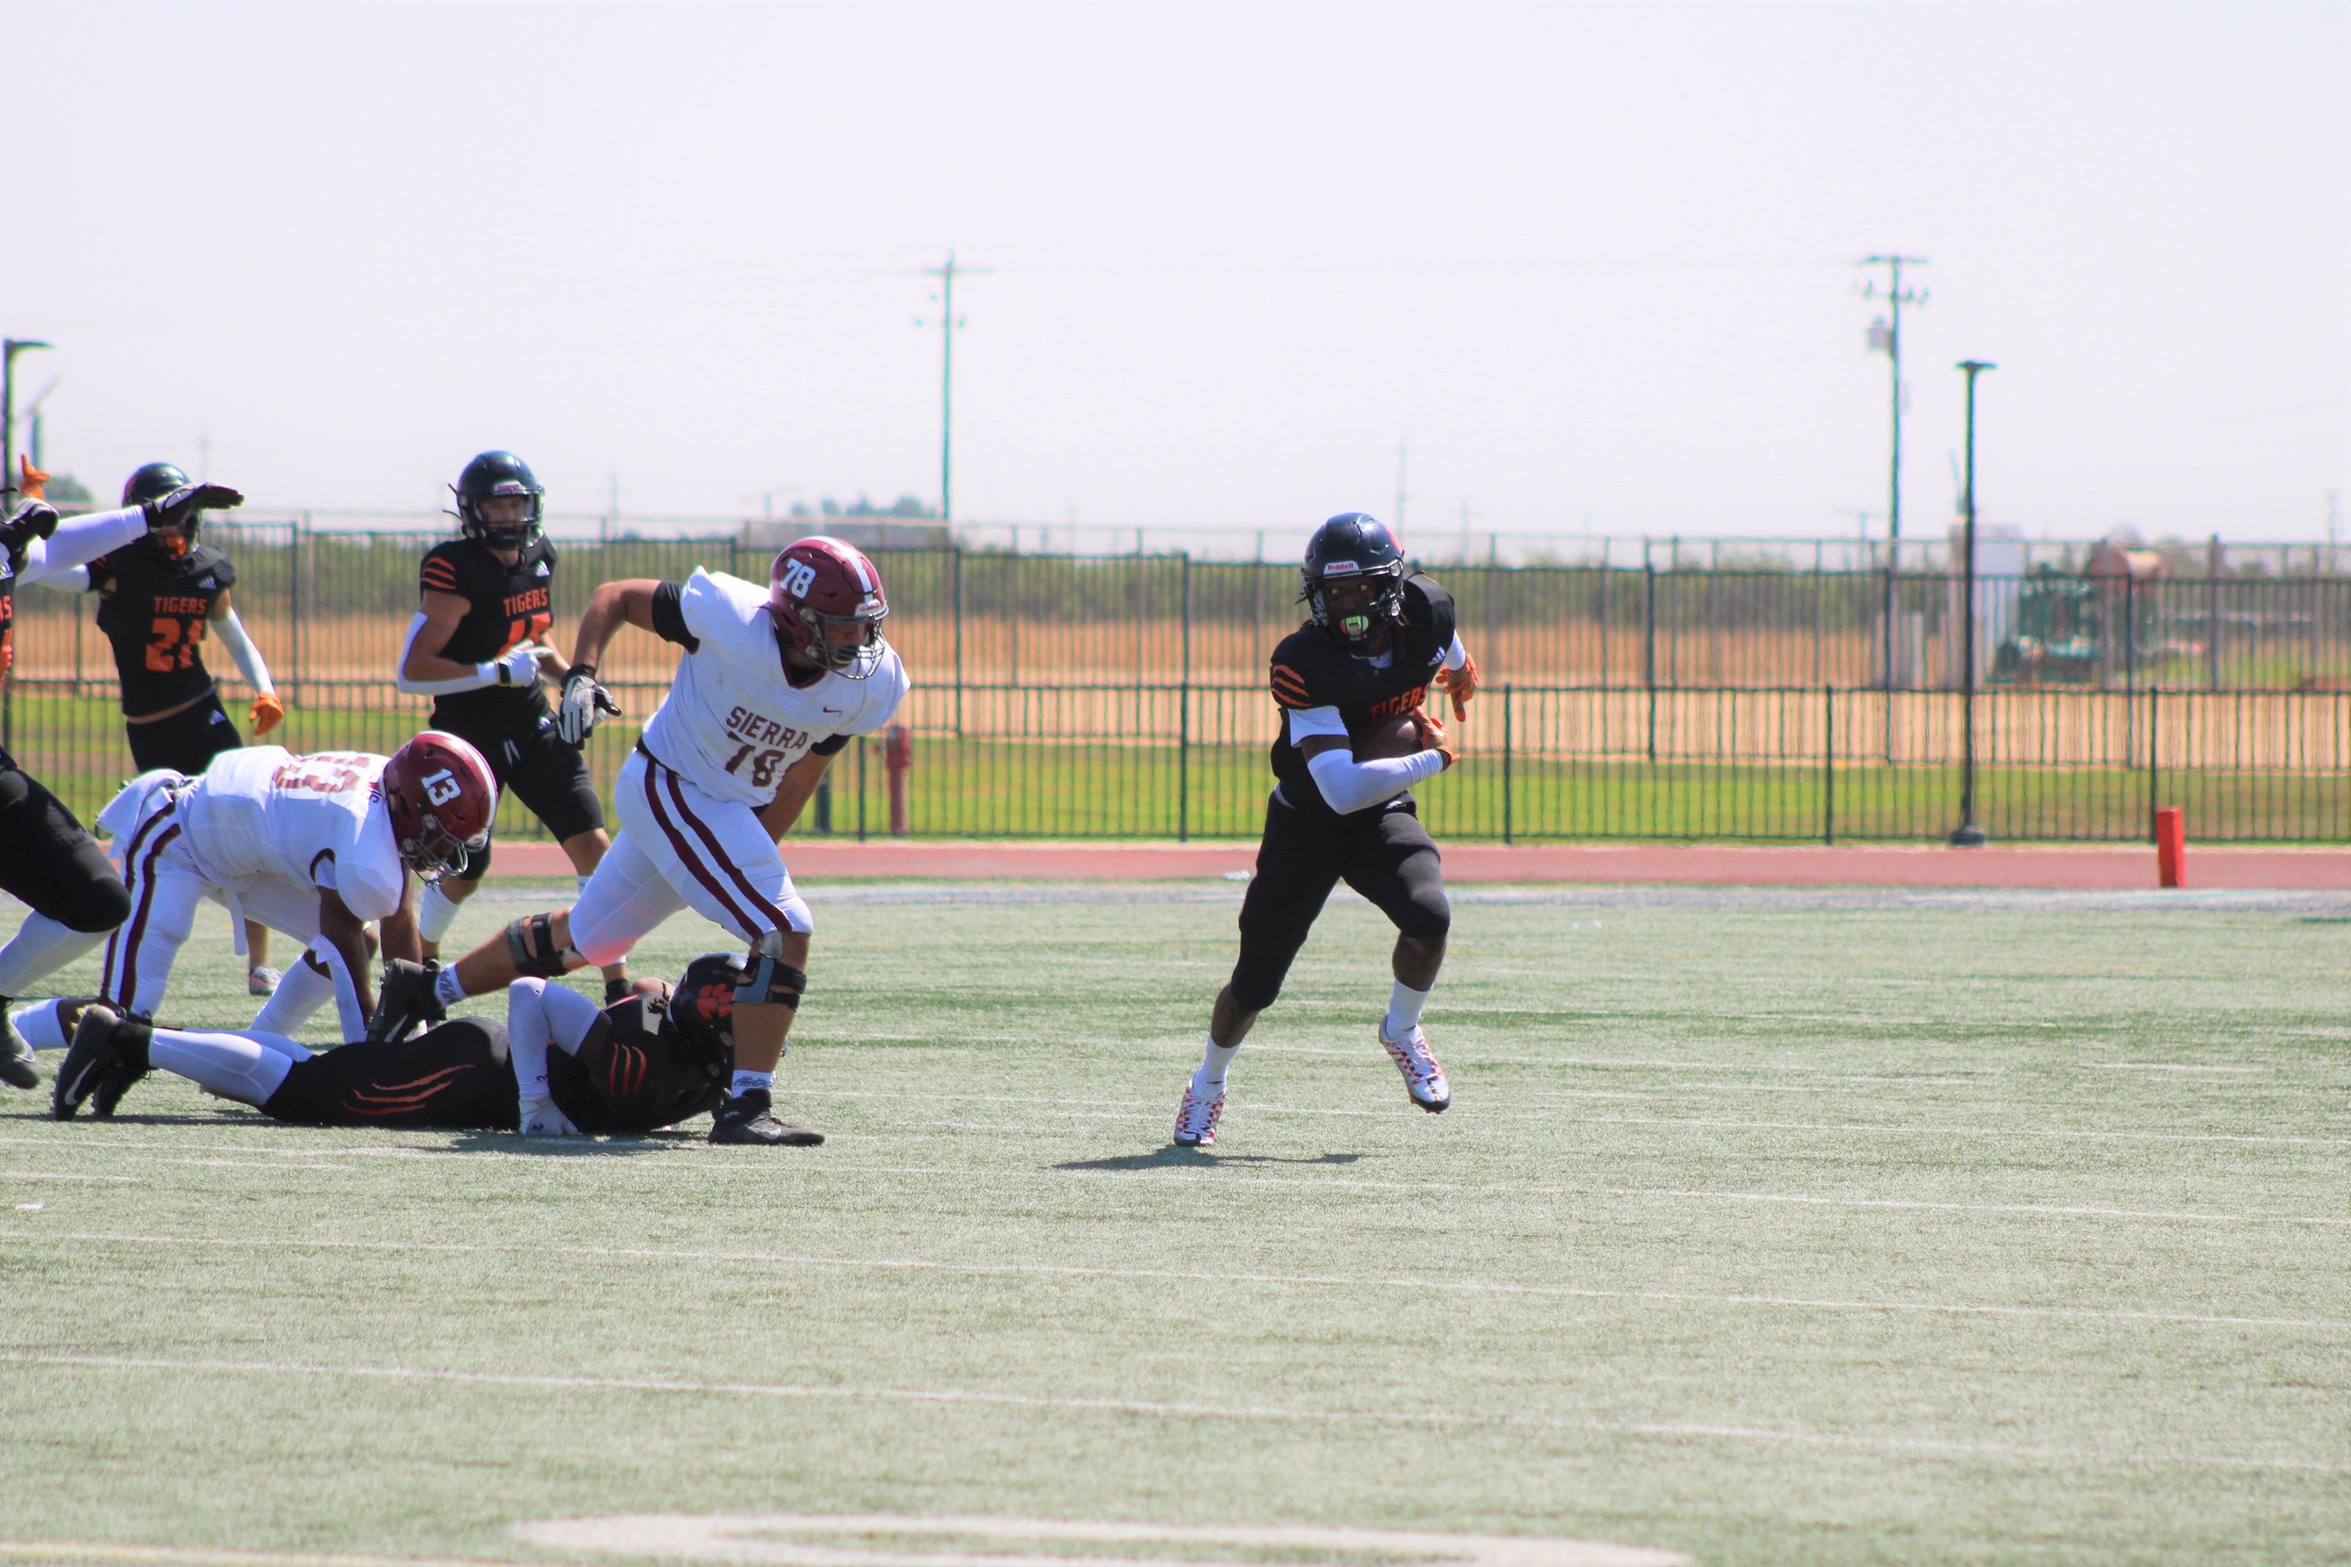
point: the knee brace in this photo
(768, 979)
(530, 946)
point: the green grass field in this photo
(1766, 1228)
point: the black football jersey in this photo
(155, 618)
(1311, 670)
(506, 605)
(636, 1073)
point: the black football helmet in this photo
(1354, 547)
(702, 1008)
(152, 483)
(498, 473)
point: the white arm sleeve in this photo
(80, 540)
(1349, 785)
(240, 645)
(483, 674)
(1456, 655)
(73, 579)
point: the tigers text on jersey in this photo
(1310, 670)
(263, 811)
(505, 605)
(154, 614)
(731, 722)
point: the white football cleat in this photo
(1424, 1079)
(540, 1118)
(1196, 1119)
(262, 980)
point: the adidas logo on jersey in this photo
(208, 581)
(542, 571)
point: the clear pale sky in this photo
(1592, 262)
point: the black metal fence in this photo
(1062, 696)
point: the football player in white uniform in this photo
(772, 684)
(309, 845)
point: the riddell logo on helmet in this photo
(1339, 568)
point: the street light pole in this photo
(9, 349)
(1967, 835)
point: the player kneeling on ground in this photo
(1350, 684)
(772, 684)
(559, 1067)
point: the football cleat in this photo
(1424, 1079)
(1196, 1119)
(746, 1118)
(540, 1117)
(115, 1084)
(407, 998)
(261, 980)
(16, 1056)
(89, 1060)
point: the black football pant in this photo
(454, 1078)
(187, 741)
(1386, 855)
(49, 861)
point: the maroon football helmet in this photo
(827, 603)
(441, 797)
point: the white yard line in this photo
(1171, 1410)
(1179, 1275)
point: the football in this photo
(1386, 737)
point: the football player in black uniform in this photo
(487, 599)
(559, 1067)
(156, 598)
(1374, 641)
(47, 859)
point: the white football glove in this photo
(520, 667)
(540, 1118)
(576, 716)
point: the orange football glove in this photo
(268, 713)
(1432, 733)
(35, 482)
(1460, 684)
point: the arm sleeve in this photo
(73, 579)
(483, 674)
(669, 616)
(80, 540)
(1456, 655)
(240, 645)
(1349, 785)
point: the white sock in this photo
(1210, 1077)
(39, 948)
(1404, 1004)
(436, 911)
(448, 986)
(40, 1026)
(751, 1082)
(583, 881)
(229, 1064)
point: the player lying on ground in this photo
(156, 597)
(1373, 641)
(47, 859)
(309, 845)
(772, 683)
(484, 603)
(558, 1068)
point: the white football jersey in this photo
(731, 722)
(311, 820)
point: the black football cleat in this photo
(746, 1118)
(88, 1061)
(406, 998)
(131, 1037)
(16, 1056)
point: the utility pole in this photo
(1967, 835)
(1400, 488)
(949, 322)
(9, 349)
(1885, 336)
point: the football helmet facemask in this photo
(499, 474)
(703, 1006)
(1353, 548)
(441, 797)
(827, 603)
(152, 483)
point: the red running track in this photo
(1788, 865)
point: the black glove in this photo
(406, 999)
(31, 520)
(173, 510)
